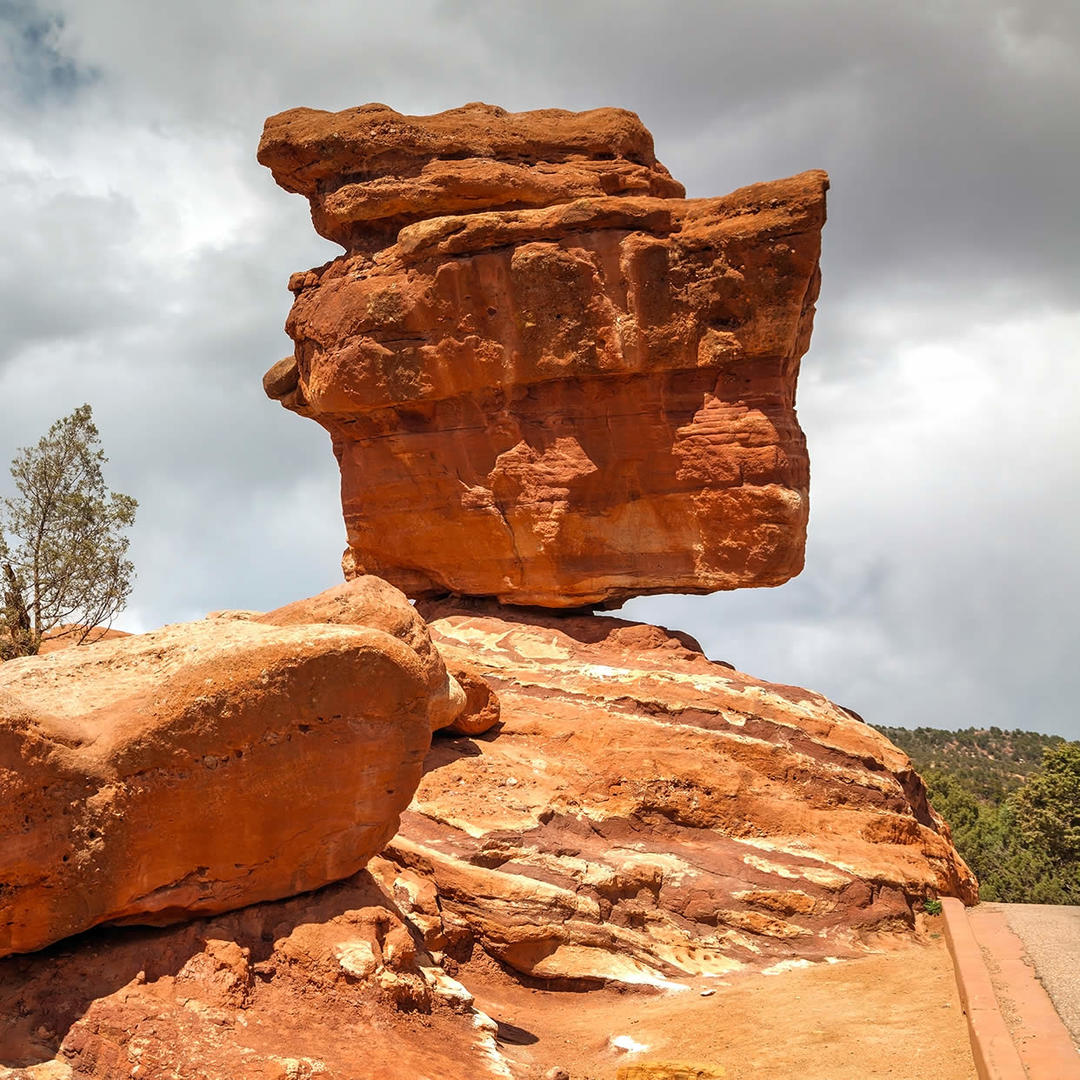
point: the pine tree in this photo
(64, 569)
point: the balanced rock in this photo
(548, 377)
(646, 814)
(200, 768)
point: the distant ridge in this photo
(1012, 801)
(991, 762)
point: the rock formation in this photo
(209, 765)
(372, 602)
(645, 814)
(549, 377)
(551, 380)
(330, 985)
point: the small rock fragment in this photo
(480, 711)
(628, 1045)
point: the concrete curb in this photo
(996, 1057)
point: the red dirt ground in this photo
(886, 1015)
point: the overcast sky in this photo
(145, 254)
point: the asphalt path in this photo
(1051, 937)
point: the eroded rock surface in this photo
(202, 767)
(549, 377)
(371, 602)
(331, 985)
(645, 814)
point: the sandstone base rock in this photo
(645, 814)
(329, 986)
(200, 768)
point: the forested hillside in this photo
(1012, 799)
(992, 763)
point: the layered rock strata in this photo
(208, 765)
(645, 814)
(548, 377)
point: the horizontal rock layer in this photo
(646, 814)
(203, 767)
(370, 169)
(548, 378)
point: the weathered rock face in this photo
(548, 377)
(330, 985)
(370, 171)
(647, 814)
(199, 768)
(372, 602)
(55, 640)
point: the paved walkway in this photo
(1051, 937)
(1017, 967)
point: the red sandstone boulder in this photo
(481, 709)
(547, 376)
(200, 768)
(372, 602)
(646, 814)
